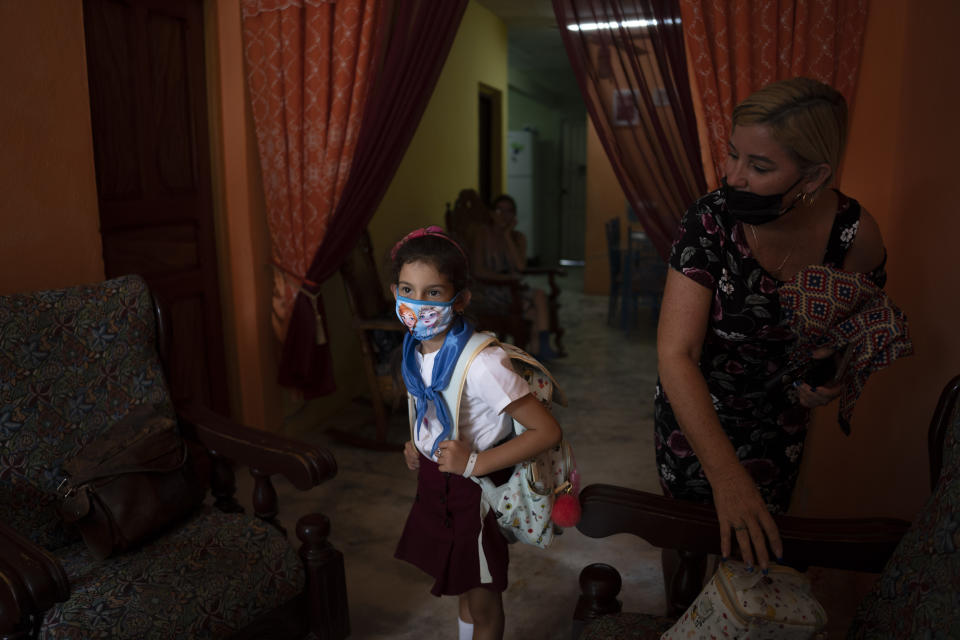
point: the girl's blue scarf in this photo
(443, 366)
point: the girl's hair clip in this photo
(432, 230)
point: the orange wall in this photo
(605, 200)
(50, 233)
(242, 236)
(902, 165)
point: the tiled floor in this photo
(609, 378)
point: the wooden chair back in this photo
(361, 277)
(379, 332)
(469, 213)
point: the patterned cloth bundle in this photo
(834, 308)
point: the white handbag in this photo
(741, 604)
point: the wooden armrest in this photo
(33, 580)
(855, 544)
(304, 465)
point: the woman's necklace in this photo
(756, 241)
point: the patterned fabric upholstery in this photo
(918, 593)
(72, 362)
(627, 626)
(239, 568)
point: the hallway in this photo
(609, 379)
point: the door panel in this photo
(149, 118)
(573, 204)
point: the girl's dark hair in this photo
(439, 251)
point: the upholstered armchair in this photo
(915, 596)
(73, 362)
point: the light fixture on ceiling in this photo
(642, 23)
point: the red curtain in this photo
(413, 40)
(738, 46)
(309, 64)
(628, 56)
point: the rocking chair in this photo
(463, 222)
(380, 335)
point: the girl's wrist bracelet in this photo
(471, 463)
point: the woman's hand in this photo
(452, 456)
(822, 394)
(811, 397)
(411, 456)
(742, 511)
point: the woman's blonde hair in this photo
(807, 117)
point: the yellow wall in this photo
(50, 233)
(902, 165)
(441, 160)
(443, 155)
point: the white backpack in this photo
(523, 504)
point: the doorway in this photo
(490, 142)
(145, 67)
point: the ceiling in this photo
(534, 44)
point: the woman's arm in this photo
(516, 246)
(542, 432)
(866, 253)
(684, 315)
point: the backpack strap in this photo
(517, 354)
(454, 391)
(453, 394)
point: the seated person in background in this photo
(499, 252)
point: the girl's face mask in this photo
(425, 319)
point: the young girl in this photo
(444, 535)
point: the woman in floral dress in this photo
(729, 428)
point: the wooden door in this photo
(573, 202)
(145, 65)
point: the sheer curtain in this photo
(413, 40)
(738, 46)
(628, 56)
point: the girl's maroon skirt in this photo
(442, 530)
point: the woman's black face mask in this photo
(752, 209)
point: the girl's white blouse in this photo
(491, 386)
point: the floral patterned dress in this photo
(745, 346)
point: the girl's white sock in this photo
(466, 630)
